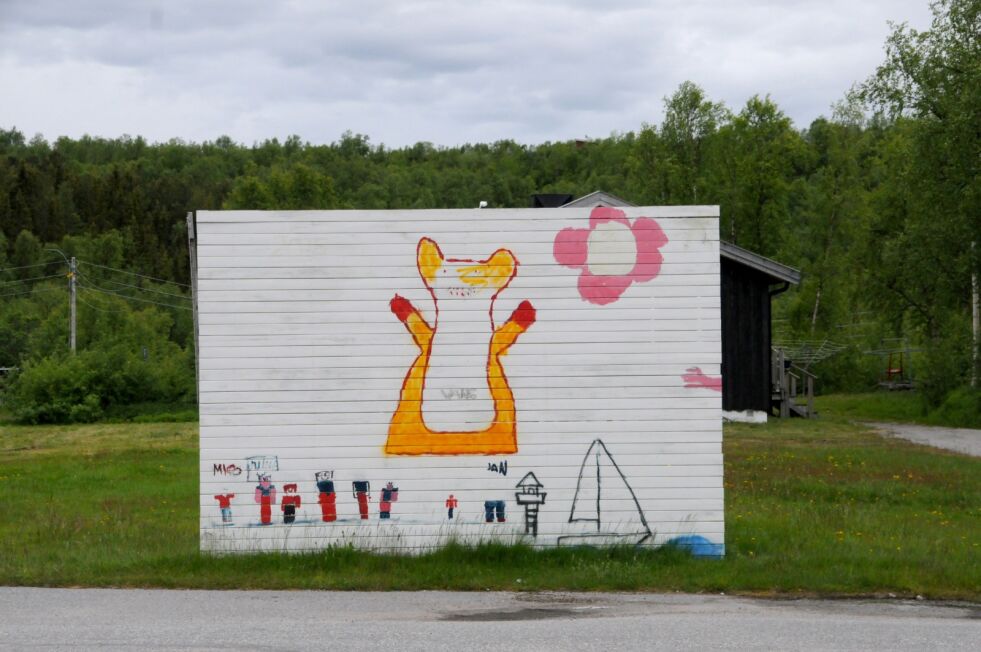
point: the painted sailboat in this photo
(605, 510)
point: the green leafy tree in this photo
(930, 89)
(753, 161)
(690, 120)
(27, 253)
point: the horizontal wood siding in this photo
(304, 357)
(746, 338)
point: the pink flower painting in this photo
(612, 253)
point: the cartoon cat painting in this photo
(459, 358)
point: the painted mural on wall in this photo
(611, 254)
(553, 377)
(414, 430)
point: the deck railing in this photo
(793, 387)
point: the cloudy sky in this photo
(403, 71)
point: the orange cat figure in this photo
(458, 359)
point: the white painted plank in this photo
(551, 454)
(385, 289)
(542, 240)
(321, 278)
(530, 442)
(673, 520)
(312, 334)
(514, 360)
(393, 373)
(527, 395)
(369, 257)
(355, 266)
(637, 386)
(368, 300)
(569, 320)
(408, 351)
(628, 427)
(545, 406)
(355, 337)
(597, 418)
(295, 301)
(692, 216)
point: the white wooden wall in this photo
(302, 360)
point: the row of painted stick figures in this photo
(265, 496)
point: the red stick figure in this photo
(361, 489)
(265, 495)
(327, 500)
(225, 504)
(451, 504)
(291, 503)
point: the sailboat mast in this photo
(599, 490)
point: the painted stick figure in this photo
(225, 504)
(390, 494)
(361, 489)
(451, 504)
(265, 495)
(291, 503)
(327, 497)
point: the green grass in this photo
(961, 409)
(152, 413)
(812, 507)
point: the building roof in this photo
(760, 263)
(598, 198)
(550, 200)
(530, 480)
(727, 250)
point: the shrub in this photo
(62, 388)
(961, 408)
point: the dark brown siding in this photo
(745, 338)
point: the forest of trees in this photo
(878, 205)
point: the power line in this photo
(137, 287)
(10, 269)
(36, 278)
(129, 298)
(93, 286)
(30, 291)
(101, 309)
(15, 294)
(123, 271)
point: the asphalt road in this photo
(962, 440)
(90, 619)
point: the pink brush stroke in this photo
(570, 249)
(695, 379)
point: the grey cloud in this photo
(446, 72)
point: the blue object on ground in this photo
(698, 546)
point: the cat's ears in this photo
(499, 268)
(429, 260)
(497, 271)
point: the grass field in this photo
(818, 507)
(962, 409)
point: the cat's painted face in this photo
(457, 278)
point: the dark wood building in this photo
(749, 282)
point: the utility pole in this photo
(72, 291)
